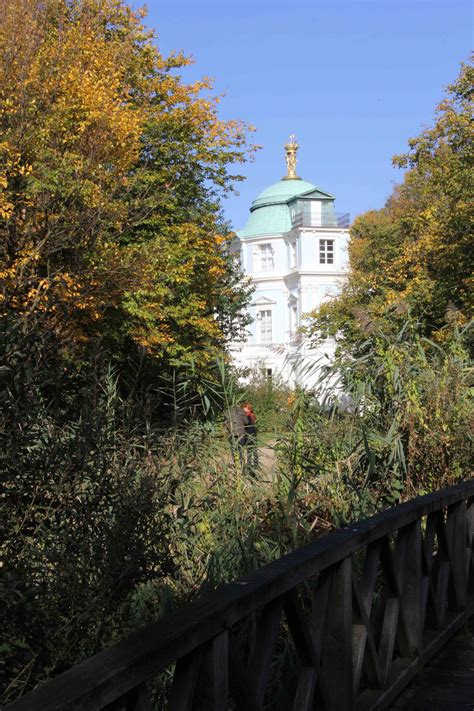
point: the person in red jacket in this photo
(251, 436)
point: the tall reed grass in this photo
(112, 520)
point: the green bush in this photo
(84, 518)
(380, 428)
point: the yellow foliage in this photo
(80, 85)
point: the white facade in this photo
(294, 248)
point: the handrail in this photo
(359, 624)
(304, 218)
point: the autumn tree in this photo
(414, 255)
(115, 272)
(112, 173)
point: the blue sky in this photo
(353, 79)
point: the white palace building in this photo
(294, 248)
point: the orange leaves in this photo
(111, 175)
(79, 80)
(12, 167)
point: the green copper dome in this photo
(282, 191)
(270, 213)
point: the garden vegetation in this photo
(118, 297)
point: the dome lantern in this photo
(291, 149)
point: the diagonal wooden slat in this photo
(364, 648)
(337, 650)
(442, 583)
(387, 637)
(393, 586)
(304, 644)
(456, 531)
(432, 521)
(117, 705)
(425, 585)
(212, 690)
(305, 690)
(362, 632)
(319, 609)
(470, 544)
(410, 538)
(369, 574)
(429, 611)
(184, 681)
(441, 571)
(259, 667)
(241, 690)
(137, 699)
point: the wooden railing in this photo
(343, 623)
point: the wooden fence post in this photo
(337, 648)
(455, 534)
(212, 693)
(409, 537)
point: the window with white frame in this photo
(265, 325)
(266, 257)
(326, 251)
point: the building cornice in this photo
(318, 230)
(283, 276)
(320, 272)
(263, 238)
(293, 232)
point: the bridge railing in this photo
(343, 623)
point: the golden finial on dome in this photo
(291, 149)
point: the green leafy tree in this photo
(111, 178)
(415, 253)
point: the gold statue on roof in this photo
(291, 149)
